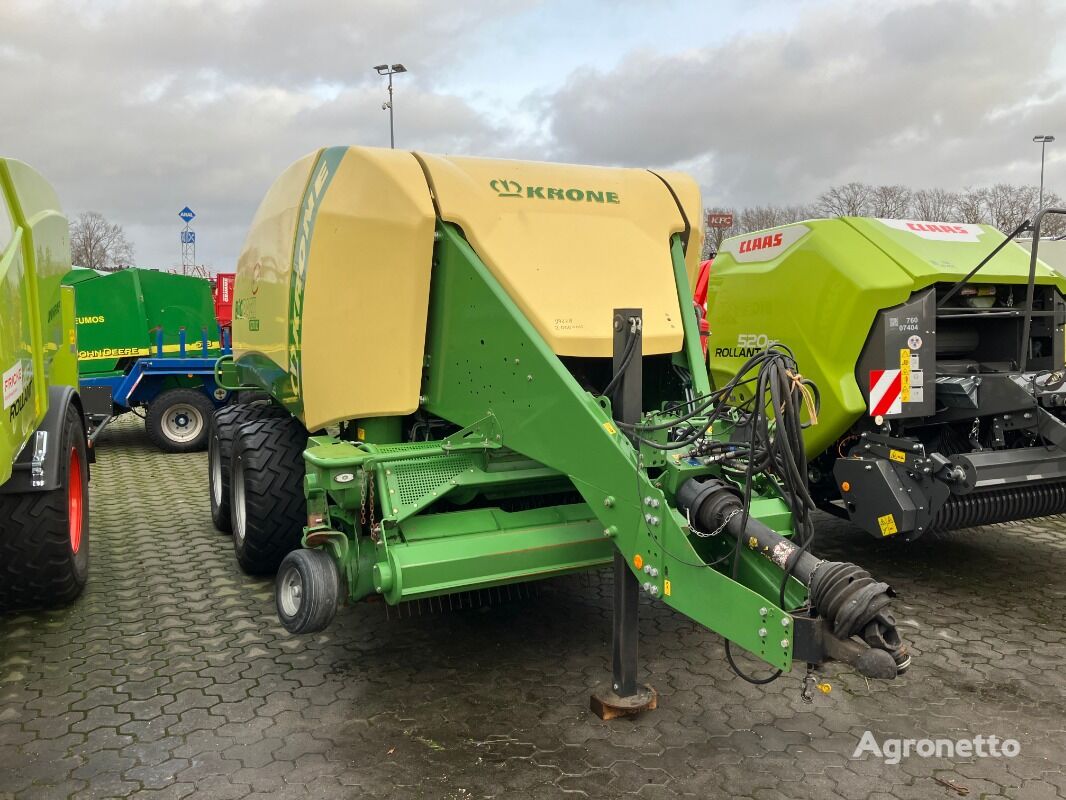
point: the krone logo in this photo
(506, 188)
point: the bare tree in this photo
(971, 205)
(757, 218)
(848, 200)
(1053, 224)
(98, 244)
(935, 205)
(1007, 206)
(1004, 205)
(890, 202)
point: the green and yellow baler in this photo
(44, 459)
(939, 352)
(486, 372)
(148, 343)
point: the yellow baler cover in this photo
(336, 269)
(566, 242)
(332, 289)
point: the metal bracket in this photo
(485, 434)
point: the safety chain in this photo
(366, 493)
(362, 498)
(717, 530)
(373, 525)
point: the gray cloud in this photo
(137, 108)
(933, 93)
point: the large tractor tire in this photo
(179, 420)
(220, 448)
(44, 536)
(268, 510)
(307, 591)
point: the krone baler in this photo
(485, 372)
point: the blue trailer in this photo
(175, 392)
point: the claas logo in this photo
(936, 227)
(760, 243)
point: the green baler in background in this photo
(938, 349)
(148, 341)
(501, 367)
(44, 459)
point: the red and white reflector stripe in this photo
(885, 389)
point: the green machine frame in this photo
(392, 512)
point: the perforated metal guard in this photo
(417, 477)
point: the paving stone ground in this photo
(171, 678)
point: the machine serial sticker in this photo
(13, 384)
(887, 524)
(666, 588)
(897, 455)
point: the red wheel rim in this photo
(75, 499)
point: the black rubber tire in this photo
(268, 510)
(307, 591)
(39, 566)
(219, 448)
(191, 404)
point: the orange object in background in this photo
(223, 291)
(699, 297)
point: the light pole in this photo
(385, 69)
(1044, 142)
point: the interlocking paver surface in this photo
(171, 678)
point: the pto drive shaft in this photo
(845, 596)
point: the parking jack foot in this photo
(608, 705)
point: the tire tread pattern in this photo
(271, 451)
(224, 426)
(37, 567)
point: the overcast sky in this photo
(135, 108)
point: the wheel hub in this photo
(183, 423)
(291, 595)
(75, 500)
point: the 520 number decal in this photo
(757, 340)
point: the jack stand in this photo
(624, 697)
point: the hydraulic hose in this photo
(845, 595)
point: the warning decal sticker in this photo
(905, 375)
(887, 524)
(885, 392)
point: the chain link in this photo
(373, 524)
(717, 530)
(362, 498)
